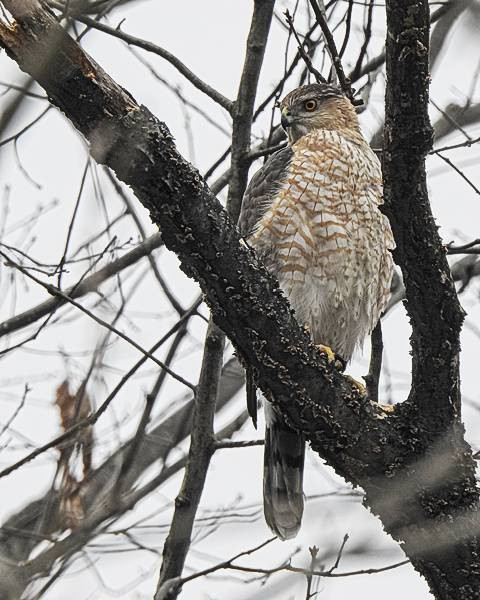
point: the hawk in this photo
(312, 215)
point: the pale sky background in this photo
(210, 38)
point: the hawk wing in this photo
(262, 189)
(257, 199)
(284, 450)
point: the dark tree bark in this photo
(415, 467)
(443, 481)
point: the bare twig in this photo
(313, 554)
(318, 76)
(340, 552)
(72, 222)
(366, 40)
(469, 248)
(153, 48)
(345, 82)
(153, 263)
(459, 171)
(55, 292)
(228, 564)
(89, 284)
(19, 407)
(243, 110)
(373, 377)
(266, 151)
(465, 144)
(130, 454)
(239, 444)
(348, 22)
(93, 418)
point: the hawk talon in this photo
(383, 410)
(360, 387)
(331, 358)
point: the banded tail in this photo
(282, 475)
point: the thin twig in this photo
(345, 82)
(227, 563)
(318, 76)
(153, 263)
(93, 418)
(239, 444)
(459, 171)
(89, 284)
(266, 151)
(178, 540)
(19, 407)
(466, 143)
(168, 56)
(340, 552)
(147, 412)
(469, 248)
(367, 36)
(71, 224)
(373, 377)
(348, 22)
(55, 292)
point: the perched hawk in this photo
(311, 213)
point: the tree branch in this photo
(436, 318)
(177, 543)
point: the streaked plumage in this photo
(312, 215)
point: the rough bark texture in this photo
(413, 463)
(439, 521)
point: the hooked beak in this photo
(287, 118)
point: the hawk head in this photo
(316, 106)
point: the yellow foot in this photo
(328, 351)
(383, 410)
(360, 387)
(388, 408)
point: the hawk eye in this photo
(310, 105)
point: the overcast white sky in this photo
(210, 38)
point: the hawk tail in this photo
(283, 475)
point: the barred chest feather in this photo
(326, 240)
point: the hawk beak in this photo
(286, 119)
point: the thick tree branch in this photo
(436, 318)
(178, 541)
